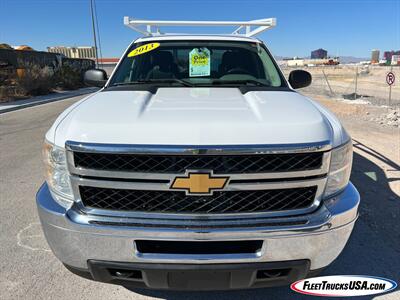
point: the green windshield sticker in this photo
(199, 62)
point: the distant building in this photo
(295, 62)
(374, 56)
(395, 59)
(299, 62)
(319, 53)
(108, 64)
(111, 61)
(387, 55)
(74, 52)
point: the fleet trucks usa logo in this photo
(343, 286)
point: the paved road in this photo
(29, 270)
(39, 100)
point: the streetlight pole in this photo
(94, 34)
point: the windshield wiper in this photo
(239, 81)
(151, 81)
(167, 80)
(125, 83)
(187, 83)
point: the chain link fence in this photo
(353, 82)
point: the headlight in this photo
(340, 169)
(57, 177)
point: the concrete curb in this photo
(34, 101)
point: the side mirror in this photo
(299, 79)
(95, 77)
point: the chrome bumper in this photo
(74, 239)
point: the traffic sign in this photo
(390, 78)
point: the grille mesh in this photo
(178, 202)
(220, 164)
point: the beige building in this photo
(74, 52)
(374, 56)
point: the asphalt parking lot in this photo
(28, 270)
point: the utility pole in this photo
(94, 34)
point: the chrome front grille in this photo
(135, 181)
(220, 164)
(178, 202)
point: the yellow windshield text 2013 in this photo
(143, 49)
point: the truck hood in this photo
(195, 116)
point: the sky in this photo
(344, 28)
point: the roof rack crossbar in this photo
(152, 27)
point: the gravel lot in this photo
(371, 82)
(28, 270)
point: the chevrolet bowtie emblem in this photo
(195, 183)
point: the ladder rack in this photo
(151, 28)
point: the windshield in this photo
(198, 63)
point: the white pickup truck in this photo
(197, 166)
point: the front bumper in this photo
(75, 240)
(199, 276)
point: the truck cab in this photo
(197, 166)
